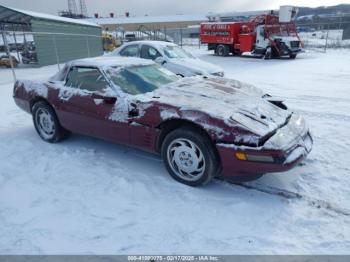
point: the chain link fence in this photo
(20, 49)
(323, 36)
(31, 49)
(182, 36)
(320, 36)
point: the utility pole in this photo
(7, 49)
(83, 9)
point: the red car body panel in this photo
(85, 115)
(232, 167)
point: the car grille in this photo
(294, 44)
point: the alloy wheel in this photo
(186, 159)
(45, 123)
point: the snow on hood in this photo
(197, 65)
(234, 102)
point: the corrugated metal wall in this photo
(346, 33)
(68, 46)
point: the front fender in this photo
(155, 115)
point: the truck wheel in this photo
(292, 56)
(268, 53)
(46, 123)
(189, 157)
(222, 50)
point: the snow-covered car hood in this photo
(234, 102)
(197, 65)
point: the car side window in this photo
(131, 50)
(149, 52)
(86, 78)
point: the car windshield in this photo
(175, 52)
(140, 79)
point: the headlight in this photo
(255, 158)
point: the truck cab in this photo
(279, 44)
(261, 41)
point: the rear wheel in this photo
(46, 123)
(189, 157)
(292, 56)
(222, 50)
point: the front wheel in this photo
(46, 123)
(189, 157)
(268, 53)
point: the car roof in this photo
(110, 61)
(150, 42)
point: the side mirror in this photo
(160, 60)
(133, 110)
(105, 99)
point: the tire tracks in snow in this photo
(316, 203)
(322, 115)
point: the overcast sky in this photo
(164, 7)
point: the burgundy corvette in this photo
(202, 126)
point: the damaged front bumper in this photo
(281, 152)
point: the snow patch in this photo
(98, 101)
(295, 155)
(66, 93)
(168, 114)
(120, 111)
(106, 62)
(36, 87)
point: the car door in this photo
(85, 107)
(261, 41)
(130, 51)
(149, 52)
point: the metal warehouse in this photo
(148, 22)
(47, 39)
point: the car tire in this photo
(292, 56)
(222, 50)
(46, 123)
(189, 157)
(268, 53)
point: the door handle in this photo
(105, 99)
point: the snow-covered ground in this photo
(87, 196)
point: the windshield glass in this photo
(176, 52)
(140, 79)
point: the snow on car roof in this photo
(148, 19)
(154, 43)
(110, 61)
(52, 17)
